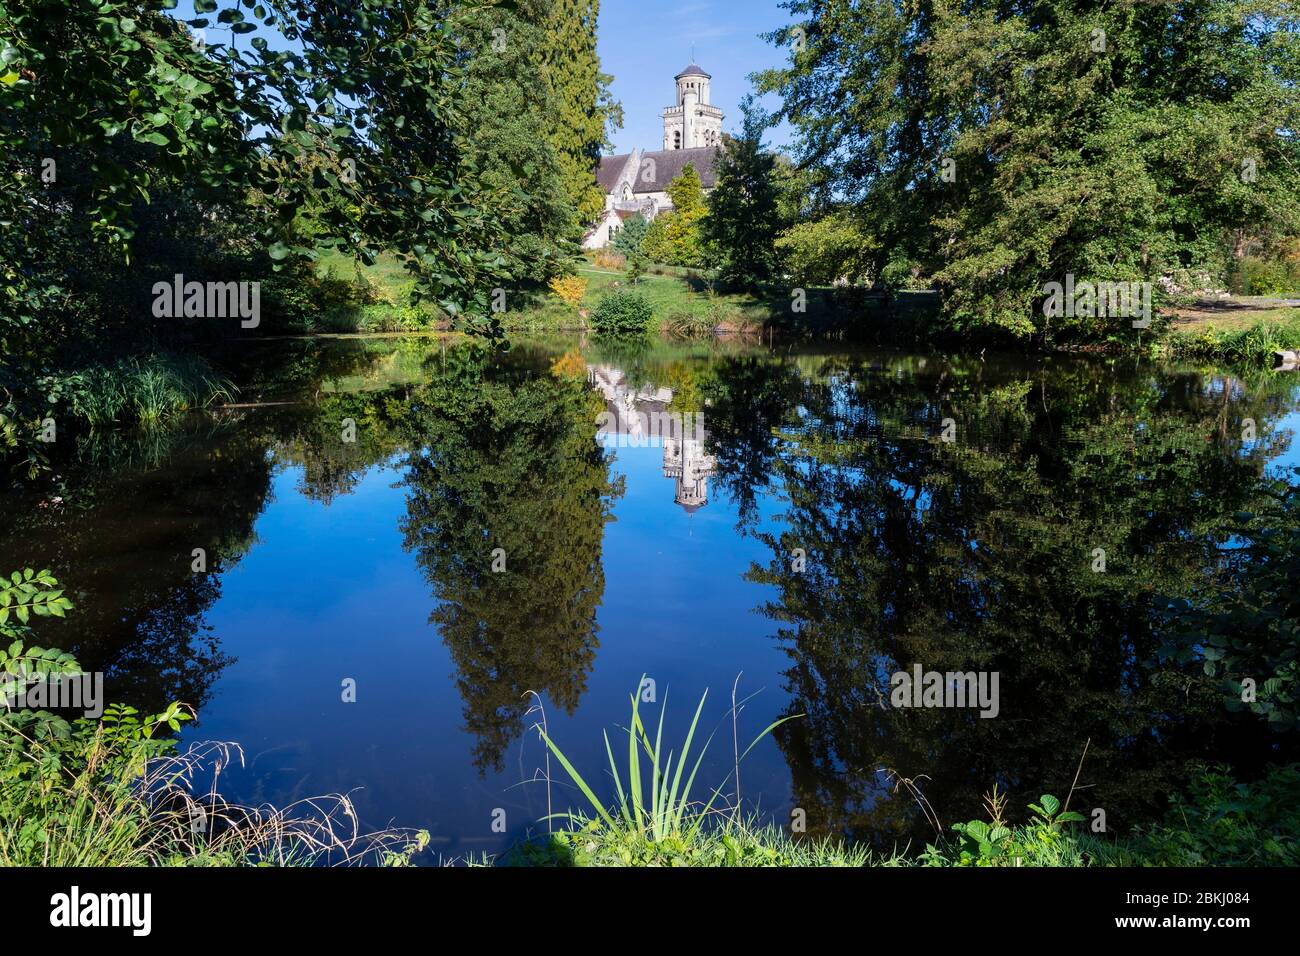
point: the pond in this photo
(361, 573)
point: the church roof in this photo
(611, 167)
(693, 70)
(669, 163)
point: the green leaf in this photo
(979, 830)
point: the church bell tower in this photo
(693, 121)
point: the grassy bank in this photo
(1217, 822)
(1252, 337)
(655, 821)
(115, 791)
(386, 290)
(153, 391)
(146, 390)
(686, 306)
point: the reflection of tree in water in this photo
(977, 556)
(509, 462)
(332, 464)
(121, 543)
(136, 503)
(749, 398)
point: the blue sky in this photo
(645, 43)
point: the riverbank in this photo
(1235, 331)
(117, 792)
(1218, 821)
(686, 305)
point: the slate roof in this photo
(611, 167)
(693, 70)
(668, 165)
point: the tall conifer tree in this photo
(583, 109)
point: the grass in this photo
(115, 791)
(147, 390)
(665, 810)
(1218, 822)
(1251, 338)
(593, 843)
(75, 815)
(670, 291)
(1243, 328)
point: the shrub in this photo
(636, 268)
(605, 259)
(1222, 822)
(1254, 276)
(628, 240)
(1044, 841)
(570, 288)
(622, 313)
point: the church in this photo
(637, 182)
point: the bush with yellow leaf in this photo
(570, 288)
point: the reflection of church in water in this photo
(686, 462)
(641, 418)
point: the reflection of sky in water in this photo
(1290, 458)
(328, 591)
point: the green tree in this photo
(744, 217)
(98, 105)
(826, 250)
(582, 109)
(511, 166)
(365, 131)
(629, 238)
(129, 142)
(677, 237)
(1001, 147)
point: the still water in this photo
(445, 532)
